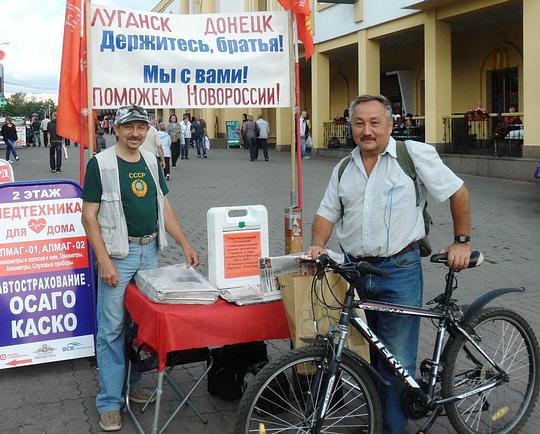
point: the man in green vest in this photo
(125, 215)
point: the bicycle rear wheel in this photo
(285, 393)
(510, 342)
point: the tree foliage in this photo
(19, 104)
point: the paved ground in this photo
(59, 397)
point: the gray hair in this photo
(368, 98)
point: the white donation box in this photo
(237, 238)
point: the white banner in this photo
(188, 61)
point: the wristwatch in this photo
(462, 238)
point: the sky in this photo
(34, 30)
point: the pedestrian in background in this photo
(151, 144)
(198, 134)
(166, 142)
(29, 134)
(55, 146)
(250, 130)
(9, 132)
(262, 139)
(243, 141)
(174, 130)
(184, 147)
(101, 144)
(36, 131)
(43, 127)
(305, 131)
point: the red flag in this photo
(73, 96)
(303, 22)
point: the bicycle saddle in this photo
(475, 261)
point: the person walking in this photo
(9, 133)
(184, 148)
(377, 219)
(36, 131)
(101, 143)
(43, 128)
(305, 131)
(198, 133)
(127, 230)
(55, 146)
(151, 144)
(175, 131)
(250, 130)
(262, 139)
(166, 142)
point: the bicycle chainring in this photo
(414, 405)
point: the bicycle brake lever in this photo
(366, 268)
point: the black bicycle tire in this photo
(454, 349)
(273, 369)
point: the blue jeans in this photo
(303, 145)
(184, 146)
(112, 321)
(55, 155)
(263, 143)
(37, 138)
(398, 332)
(252, 146)
(10, 148)
(199, 143)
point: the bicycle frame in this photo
(445, 320)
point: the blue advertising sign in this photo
(46, 275)
(233, 134)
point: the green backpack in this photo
(407, 165)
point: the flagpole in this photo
(293, 111)
(297, 112)
(82, 90)
(89, 114)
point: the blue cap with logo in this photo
(131, 113)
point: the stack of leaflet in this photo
(176, 284)
(243, 295)
(274, 266)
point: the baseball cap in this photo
(131, 113)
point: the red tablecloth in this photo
(170, 327)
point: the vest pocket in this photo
(110, 211)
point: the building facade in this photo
(435, 59)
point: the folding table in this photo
(172, 327)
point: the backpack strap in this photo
(341, 169)
(407, 165)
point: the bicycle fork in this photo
(333, 360)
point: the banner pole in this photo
(293, 110)
(89, 83)
(82, 90)
(297, 113)
(293, 215)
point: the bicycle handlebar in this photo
(362, 267)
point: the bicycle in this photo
(485, 375)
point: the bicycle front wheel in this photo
(510, 342)
(285, 393)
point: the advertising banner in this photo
(46, 292)
(233, 134)
(20, 125)
(6, 172)
(198, 60)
